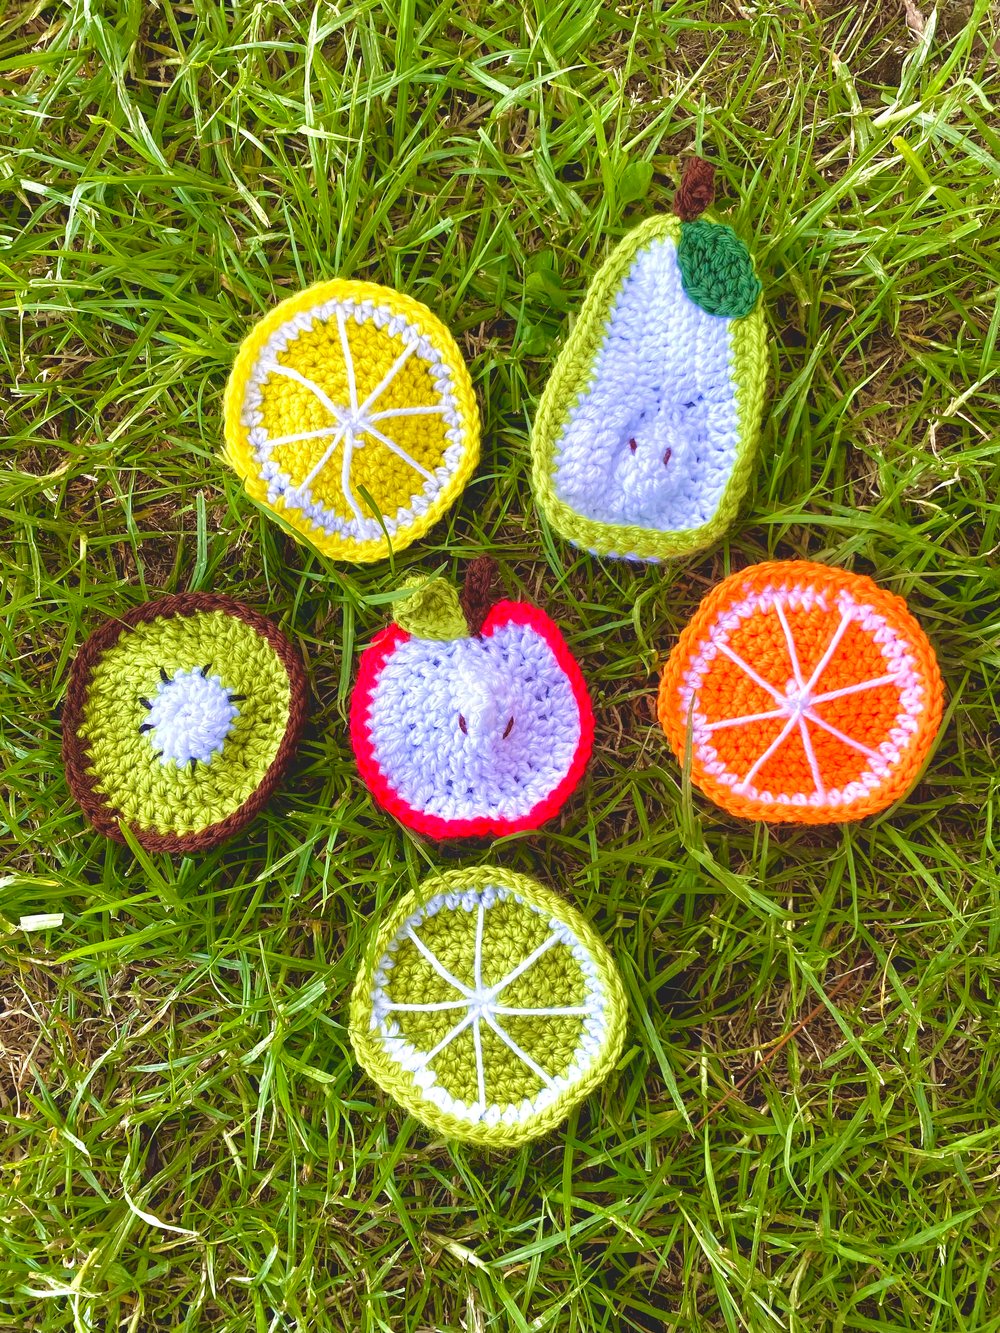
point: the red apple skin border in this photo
(374, 658)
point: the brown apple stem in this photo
(476, 596)
(696, 191)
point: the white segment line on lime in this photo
(450, 1036)
(477, 1040)
(508, 1040)
(437, 965)
(477, 1035)
(559, 1011)
(480, 923)
(481, 1004)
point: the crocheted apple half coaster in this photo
(180, 718)
(488, 1007)
(350, 413)
(466, 730)
(646, 432)
(809, 695)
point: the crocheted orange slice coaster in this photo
(180, 719)
(809, 695)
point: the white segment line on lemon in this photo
(353, 423)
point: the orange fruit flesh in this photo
(766, 751)
(728, 692)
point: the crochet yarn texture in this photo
(487, 1007)
(807, 695)
(716, 271)
(646, 431)
(469, 735)
(180, 718)
(350, 413)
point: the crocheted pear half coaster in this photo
(487, 1007)
(807, 694)
(350, 413)
(467, 730)
(180, 718)
(646, 432)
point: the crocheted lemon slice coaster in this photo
(465, 730)
(488, 1007)
(350, 412)
(809, 695)
(180, 718)
(646, 432)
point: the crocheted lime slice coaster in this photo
(645, 435)
(806, 694)
(350, 413)
(487, 1007)
(469, 728)
(180, 718)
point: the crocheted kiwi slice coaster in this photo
(487, 1007)
(350, 413)
(646, 432)
(180, 718)
(807, 695)
(468, 721)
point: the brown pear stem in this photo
(477, 596)
(696, 191)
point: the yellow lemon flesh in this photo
(350, 412)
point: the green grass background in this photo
(186, 1141)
